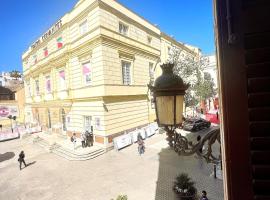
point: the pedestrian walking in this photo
(73, 140)
(204, 195)
(21, 159)
(141, 147)
(83, 140)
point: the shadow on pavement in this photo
(171, 164)
(164, 183)
(6, 156)
(31, 163)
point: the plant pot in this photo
(185, 196)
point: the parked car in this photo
(195, 124)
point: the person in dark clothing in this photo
(204, 197)
(21, 159)
(141, 147)
(198, 140)
(91, 138)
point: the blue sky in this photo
(22, 22)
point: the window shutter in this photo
(257, 60)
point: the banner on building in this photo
(5, 111)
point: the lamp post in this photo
(168, 91)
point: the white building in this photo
(212, 68)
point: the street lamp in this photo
(168, 91)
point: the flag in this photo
(46, 52)
(86, 69)
(59, 42)
(62, 74)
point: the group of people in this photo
(86, 139)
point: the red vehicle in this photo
(212, 116)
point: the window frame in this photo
(91, 73)
(28, 85)
(37, 87)
(97, 126)
(149, 39)
(81, 27)
(60, 88)
(121, 30)
(88, 127)
(46, 79)
(151, 72)
(130, 72)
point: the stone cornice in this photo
(65, 26)
(130, 20)
(122, 46)
(172, 40)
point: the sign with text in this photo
(46, 35)
(122, 141)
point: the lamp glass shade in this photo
(165, 106)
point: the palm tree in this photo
(15, 74)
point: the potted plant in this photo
(184, 187)
(122, 197)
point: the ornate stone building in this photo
(90, 71)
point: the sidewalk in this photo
(148, 177)
(7, 134)
(65, 143)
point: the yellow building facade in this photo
(90, 71)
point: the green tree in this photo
(190, 68)
(204, 88)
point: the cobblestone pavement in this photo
(146, 177)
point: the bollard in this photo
(215, 171)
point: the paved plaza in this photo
(146, 177)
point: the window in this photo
(86, 70)
(62, 80)
(59, 42)
(169, 50)
(34, 59)
(48, 84)
(37, 86)
(28, 89)
(152, 101)
(151, 73)
(83, 27)
(87, 123)
(46, 52)
(126, 73)
(123, 29)
(97, 123)
(149, 39)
